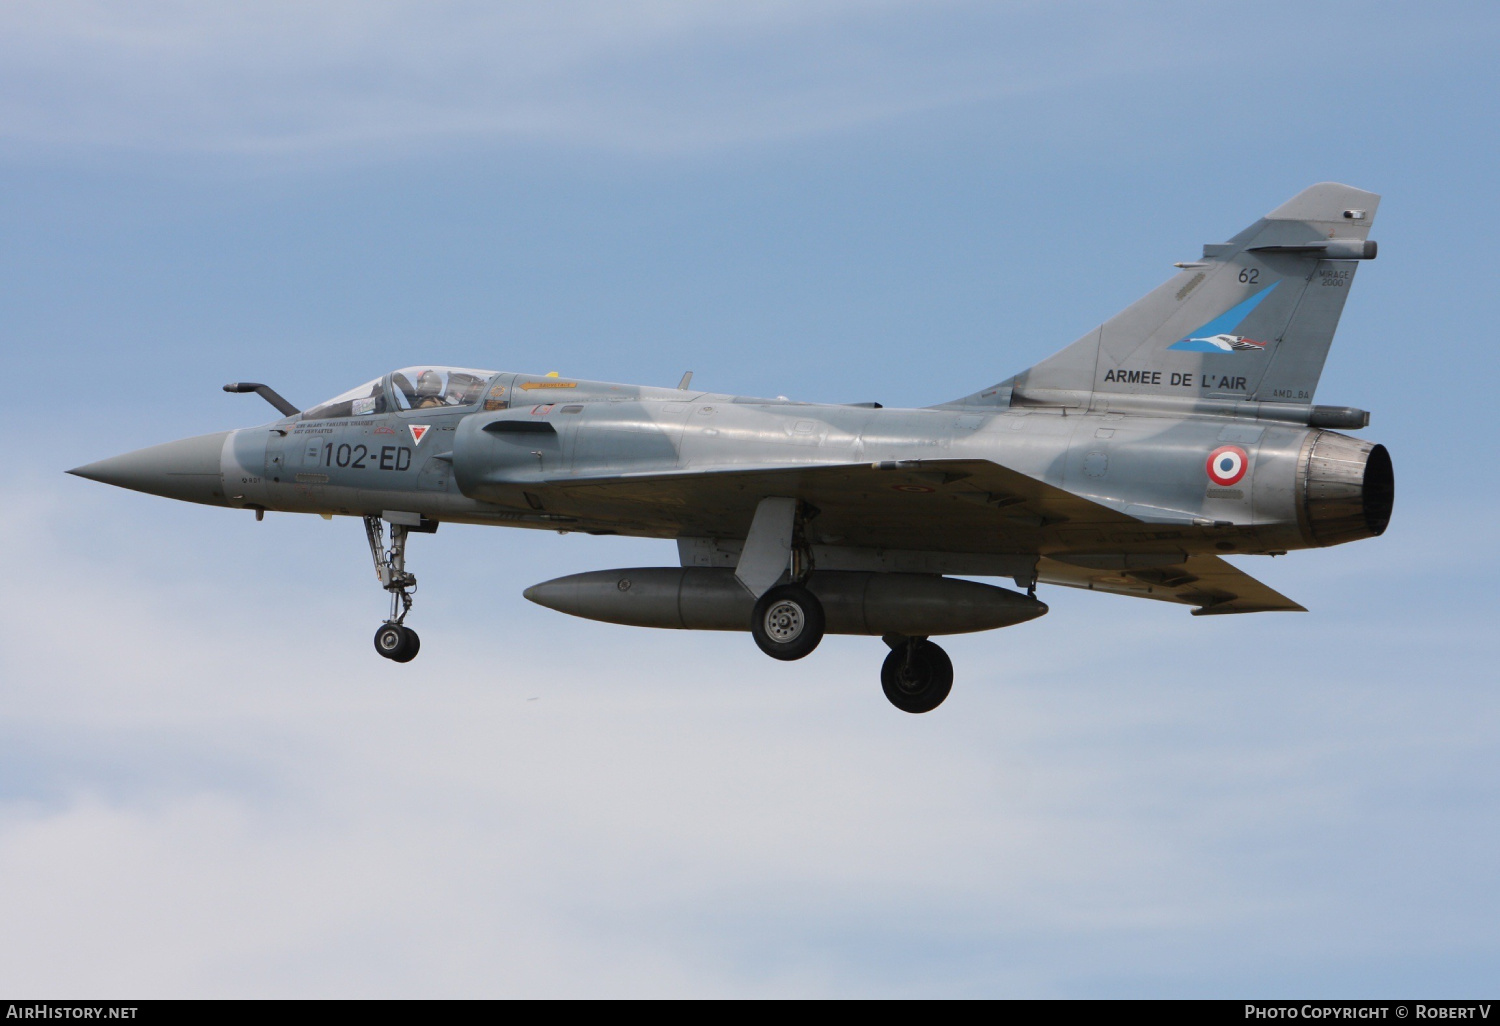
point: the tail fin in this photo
(1252, 320)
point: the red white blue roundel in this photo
(1227, 464)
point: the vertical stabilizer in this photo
(1252, 320)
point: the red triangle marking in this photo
(417, 431)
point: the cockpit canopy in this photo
(410, 388)
(424, 388)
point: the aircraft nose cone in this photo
(186, 469)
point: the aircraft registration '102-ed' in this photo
(1130, 462)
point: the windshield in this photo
(365, 400)
(430, 388)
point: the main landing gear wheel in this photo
(917, 675)
(787, 622)
(397, 642)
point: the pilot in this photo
(429, 390)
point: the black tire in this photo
(390, 640)
(413, 646)
(917, 676)
(787, 622)
(396, 642)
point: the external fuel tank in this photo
(711, 599)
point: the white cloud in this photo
(213, 787)
(670, 75)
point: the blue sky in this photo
(209, 785)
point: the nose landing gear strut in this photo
(394, 640)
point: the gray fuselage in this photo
(1151, 468)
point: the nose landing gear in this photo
(397, 642)
(394, 640)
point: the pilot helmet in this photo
(429, 383)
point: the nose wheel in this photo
(397, 642)
(393, 640)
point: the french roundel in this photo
(1227, 464)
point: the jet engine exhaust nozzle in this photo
(1347, 488)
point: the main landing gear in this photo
(917, 675)
(394, 640)
(788, 623)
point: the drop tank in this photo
(711, 599)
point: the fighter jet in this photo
(1130, 462)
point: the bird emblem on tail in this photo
(1231, 343)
